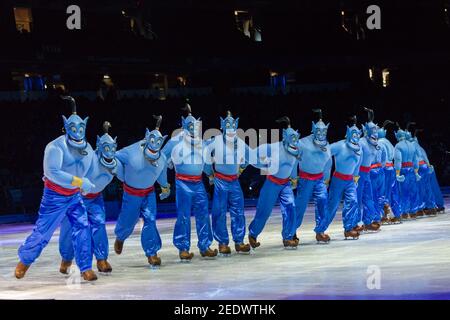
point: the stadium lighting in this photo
(106, 76)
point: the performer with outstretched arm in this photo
(347, 155)
(229, 155)
(67, 160)
(369, 146)
(143, 165)
(103, 169)
(283, 159)
(186, 151)
(312, 183)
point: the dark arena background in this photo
(260, 59)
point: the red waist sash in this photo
(92, 195)
(407, 164)
(389, 164)
(346, 177)
(58, 189)
(226, 177)
(422, 162)
(138, 192)
(364, 169)
(188, 177)
(310, 176)
(375, 165)
(277, 180)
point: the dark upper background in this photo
(294, 55)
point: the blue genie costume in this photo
(229, 157)
(426, 202)
(67, 160)
(406, 164)
(103, 169)
(369, 146)
(391, 201)
(283, 157)
(143, 165)
(314, 156)
(185, 150)
(347, 155)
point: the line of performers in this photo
(377, 182)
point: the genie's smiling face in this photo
(75, 129)
(319, 131)
(290, 141)
(353, 136)
(371, 133)
(229, 126)
(107, 147)
(153, 143)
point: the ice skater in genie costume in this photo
(229, 158)
(377, 179)
(283, 159)
(406, 166)
(186, 151)
(103, 169)
(426, 202)
(368, 215)
(347, 155)
(312, 182)
(67, 160)
(391, 205)
(143, 165)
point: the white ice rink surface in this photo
(412, 260)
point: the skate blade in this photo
(184, 261)
(244, 253)
(209, 258)
(323, 242)
(351, 238)
(107, 274)
(290, 248)
(224, 255)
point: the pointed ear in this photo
(64, 120)
(221, 119)
(199, 119)
(85, 120)
(164, 138)
(328, 125)
(98, 139)
(147, 133)
(115, 139)
(237, 121)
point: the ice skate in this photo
(253, 243)
(440, 210)
(186, 256)
(405, 216)
(296, 238)
(65, 266)
(154, 261)
(208, 253)
(430, 212)
(413, 216)
(290, 244)
(420, 213)
(351, 234)
(20, 271)
(373, 227)
(224, 250)
(242, 248)
(322, 238)
(118, 246)
(89, 275)
(104, 266)
(358, 228)
(395, 220)
(385, 220)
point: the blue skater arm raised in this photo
(162, 181)
(119, 170)
(53, 170)
(398, 164)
